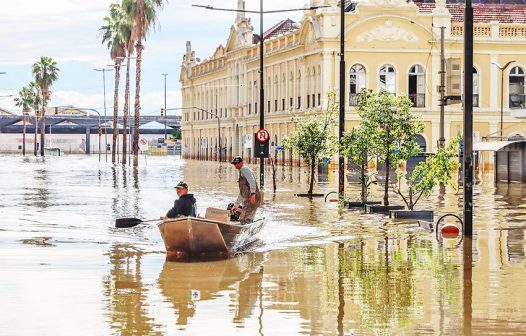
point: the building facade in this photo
(391, 44)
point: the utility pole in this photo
(502, 68)
(341, 128)
(468, 119)
(103, 70)
(442, 88)
(261, 97)
(165, 136)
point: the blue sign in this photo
(280, 148)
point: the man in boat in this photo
(249, 195)
(184, 206)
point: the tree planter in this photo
(358, 204)
(408, 214)
(382, 208)
(309, 195)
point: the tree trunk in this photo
(115, 112)
(125, 114)
(35, 138)
(364, 182)
(138, 49)
(312, 167)
(43, 130)
(24, 116)
(273, 174)
(386, 186)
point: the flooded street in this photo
(66, 270)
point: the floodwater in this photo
(66, 270)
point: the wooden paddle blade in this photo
(127, 222)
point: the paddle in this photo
(131, 222)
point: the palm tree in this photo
(27, 99)
(144, 17)
(45, 72)
(116, 33)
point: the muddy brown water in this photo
(65, 269)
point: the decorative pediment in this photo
(233, 41)
(387, 32)
(310, 30)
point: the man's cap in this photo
(182, 184)
(236, 159)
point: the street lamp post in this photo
(468, 119)
(341, 126)
(502, 68)
(103, 70)
(261, 82)
(165, 74)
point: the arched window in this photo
(387, 78)
(516, 87)
(298, 89)
(308, 87)
(283, 92)
(356, 82)
(276, 93)
(475, 87)
(291, 90)
(417, 89)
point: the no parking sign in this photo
(262, 135)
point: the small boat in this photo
(192, 238)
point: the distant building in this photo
(4, 112)
(391, 44)
(75, 130)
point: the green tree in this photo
(356, 145)
(28, 98)
(437, 168)
(116, 34)
(46, 73)
(314, 136)
(176, 135)
(144, 16)
(392, 127)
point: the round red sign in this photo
(262, 135)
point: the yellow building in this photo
(388, 43)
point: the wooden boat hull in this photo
(192, 238)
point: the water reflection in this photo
(127, 295)
(318, 272)
(184, 284)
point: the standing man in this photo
(184, 206)
(249, 195)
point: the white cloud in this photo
(68, 31)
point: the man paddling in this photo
(184, 206)
(249, 195)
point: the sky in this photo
(68, 31)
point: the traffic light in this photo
(56, 110)
(100, 131)
(162, 112)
